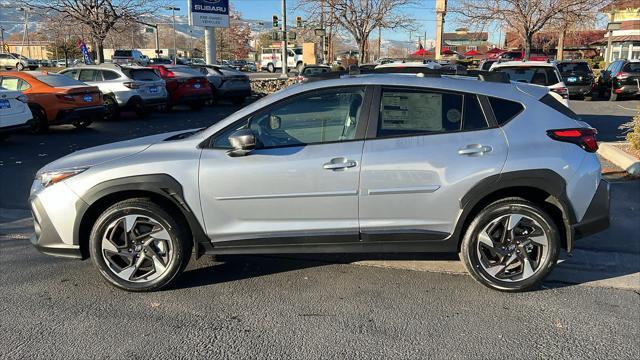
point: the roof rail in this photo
(488, 76)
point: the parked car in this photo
(620, 78)
(446, 166)
(411, 64)
(160, 61)
(226, 83)
(130, 57)
(538, 73)
(55, 99)
(184, 85)
(240, 65)
(45, 63)
(312, 70)
(18, 62)
(251, 66)
(516, 55)
(485, 64)
(578, 77)
(14, 112)
(123, 87)
(197, 61)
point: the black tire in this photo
(271, 68)
(469, 253)
(179, 239)
(39, 124)
(197, 105)
(83, 123)
(601, 93)
(112, 110)
(4, 136)
(19, 67)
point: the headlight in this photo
(51, 177)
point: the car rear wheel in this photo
(19, 67)
(271, 68)
(138, 246)
(511, 245)
(39, 123)
(111, 108)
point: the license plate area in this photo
(5, 104)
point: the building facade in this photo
(462, 41)
(625, 41)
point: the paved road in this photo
(606, 116)
(269, 307)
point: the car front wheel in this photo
(138, 246)
(511, 245)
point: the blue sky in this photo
(424, 13)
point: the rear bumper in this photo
(627, 89)
(596, 218)
(71, 115)
(147, 103)
(583, 89)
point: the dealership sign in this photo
(209, 13)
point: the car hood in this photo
(108, 152)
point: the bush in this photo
(632, 128)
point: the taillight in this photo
(65, 97)
(562, 91)
(131, 85)
(622, 75)
(583, 137)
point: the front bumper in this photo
(46, 238)
(69, 116)
(596, 218)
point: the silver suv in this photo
(501, 173)
(226, 82)
(124, 87)
(16, 61)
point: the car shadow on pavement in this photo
(211, 270)
(607, 125)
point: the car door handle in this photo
(339, 164)
(475, 149)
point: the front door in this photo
(424, 152)
(300, 185)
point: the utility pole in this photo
(175, 49)
(210, 45)
(322, 26)
(2, 40)
(284, 40)
(25, 34)
(441, 10)
(379, 42)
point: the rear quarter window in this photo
(505, 110)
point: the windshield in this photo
(538, 75)
(578, 67)
(57, 80)
(297, 51)
(142, 74)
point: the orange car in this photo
(55, 99)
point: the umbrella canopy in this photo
(472, 53)
(495, 51)
(421, 52)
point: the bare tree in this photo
(526, 17)
(361, 17)
(99, 16)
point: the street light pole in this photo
(175, 49)
(284, 40)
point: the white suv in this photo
(14, 112)
(124, 87)
(538, 73)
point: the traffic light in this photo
(299, 21)
(275, 21)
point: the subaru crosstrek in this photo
(499, 172)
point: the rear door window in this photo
(71, 73)
(87, 75)
(10, 83)
(110, 75)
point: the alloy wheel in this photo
(137, 248)
(512, 247)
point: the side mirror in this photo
(242, 141)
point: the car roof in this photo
(523, 63)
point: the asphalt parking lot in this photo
(298, 307)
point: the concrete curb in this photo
(628, 162)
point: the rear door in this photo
(425, 149)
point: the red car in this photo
(185, 85)
(515, 55)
